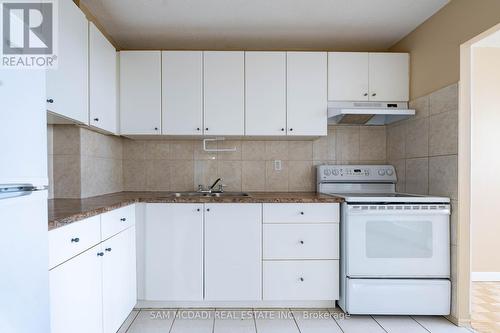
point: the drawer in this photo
(301, 213)
(68, 241)
(301, 241)
(117, 220)
(311, 280)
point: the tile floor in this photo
(486, 306)
(278, 321)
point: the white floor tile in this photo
(234, 321)
(359, 324)
(316, 321)
(275, 321)
(153, 321)
(399, 324)
(128, 321)
(437, 324)
(194, 321)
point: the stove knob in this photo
(381, 172)
(389, 172)
(327, 172)
(335, 172)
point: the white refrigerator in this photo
(24, 281)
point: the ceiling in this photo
(260, 24)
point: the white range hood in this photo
(367, 113)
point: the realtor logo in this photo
(28, 33)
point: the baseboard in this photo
(143, 304)
(485, 276)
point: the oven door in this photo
(397, 240)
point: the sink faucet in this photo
(210, 189)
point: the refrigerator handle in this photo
(8, 191)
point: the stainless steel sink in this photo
(217, 194)
(230, 194)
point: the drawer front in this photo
(117, 220)
(301, 213)
(301, 241)
(68, 241)
(312, 280)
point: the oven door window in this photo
(398, 239)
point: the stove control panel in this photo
(356, 174)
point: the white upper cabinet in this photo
(224, 93)
(348, 76)
(67, 85)
(361, 76)
(102, 82)
(182, 92)
(265, 93)
(307, 93)
(389, 77)
(140, 92)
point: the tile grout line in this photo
(425, 328)
(335, 320)
(173, 321)
(132, 322)
(295, 320)
(382, 327)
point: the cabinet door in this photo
(67, 85)
(265, 93)
(76, 294)
(174, 252)
(347, 76)
(102, 82)
(389, 77)
(306, 93)
(182, 92)
(233, 238)
(140, 92)
(118, 279)
(224, 93)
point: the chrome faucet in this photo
(210, 189)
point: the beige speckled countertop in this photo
(66, 211)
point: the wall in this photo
(84, 163)
(424, 150)
(434, 45)
(175, 165)
(485, 161)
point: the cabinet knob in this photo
(108, 249)
(282, 129)
(156, 128)
(123, 219)
(198, 209)
(301, 279)
(197, 128)
(365, 94)
(301, 242)
(100, 254)
(50, 100)
(291, 129)
(96, 119)
(301, 213)
(374, 94)
(206, 128)
(208, 209)
(75, 240)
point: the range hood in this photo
(367, 113)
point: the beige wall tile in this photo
(182, 149)
(320, 148)
(134, 149)
(276, 180)
(276, 150)
(301, 176)
(205, 172)
(253, 150)
(396, 138)
(443, 176)
(67, 174)
(158, 150)
(230, 172)
(421, 106)
(445, 99)
(372, 143)
(332, 143)
(66, 140)
(417, 175)
(200, 154)
(182, 175)
(100, 176)
(300, 150)
(158, 175)
(50, 139)
(347, 143)
(100, 145)
(229, 155)
(417, 138)
(134, 175)
(253, 176)
(443, 136)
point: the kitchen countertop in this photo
(66, 211)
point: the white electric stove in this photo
(395, 247)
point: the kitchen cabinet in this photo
(76, 294)
(265, 93)
(140, 92)
(119, 292)
(103, 113)
(182, 92)
(224, 92)
(306, 93)
(174, 252)
(67, 85)
(233, 258)
(361, 76)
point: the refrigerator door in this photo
(24, 279)
(23, 129)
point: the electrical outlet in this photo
(277, 165)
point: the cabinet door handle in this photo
(96, 119)
(208, 209)
(365, 94)
(197, 128)
(198, 209)
(301, 279)
(301, 213)
(108, 249)
(50, 100)
(156, 128)
(301, 242)
(123, 219)
(374, 94)
(100, 254)
(291, 129)
(282, 129)
(206, 128)
(75, 240)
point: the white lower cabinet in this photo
(233, 259)
(76, 294)
(173, 252)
